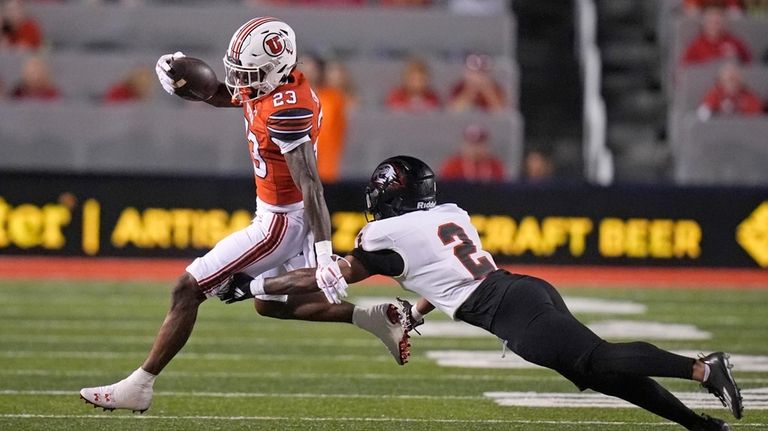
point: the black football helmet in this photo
(399, 185)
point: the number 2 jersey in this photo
(441, 251)
(283, 120)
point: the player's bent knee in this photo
(274, 309)
(186, 291)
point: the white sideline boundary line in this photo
(347, 419)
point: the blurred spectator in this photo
(474, 162)
(330, 143)
(405, 2)
(714, 42)
(538, 166)
(121, 2)
(415, 93)
(694, 8)
(137, 85)
(337, 76)
(35, 83)
(307, 2)
(19, 30)
(478, 89)
(730, 96)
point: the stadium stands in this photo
(86, 75)
(198, 139)
(204, 28)
(168, 135)
(725, 150)
(722, 151)
(652, 97)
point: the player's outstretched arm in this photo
(303, 281)
(222, 98)
(171, 81)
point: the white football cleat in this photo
(383, 321)
(124, 394)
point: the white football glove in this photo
(331, 283)
(163, 66)
(328, 274)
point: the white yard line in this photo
(65, 339)
(302, 376)
(352, 419)
(492, 359)
(577, 304)
(382, 357)
(260, 395)
(754, 399)
(346, 419)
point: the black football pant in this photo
(530, 315)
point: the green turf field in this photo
(240, 371)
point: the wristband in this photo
(257, 286)
(323, 248)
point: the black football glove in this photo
(406, 316)
(236, 288)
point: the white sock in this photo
(706, 372)
(142, 377)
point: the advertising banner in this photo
(146, 216)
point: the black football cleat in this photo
(721, 383)
(708, 423)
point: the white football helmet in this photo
(260, 56)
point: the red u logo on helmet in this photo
(273, 44)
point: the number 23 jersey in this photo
(441, 250)
(283, 120)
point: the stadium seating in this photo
(694, 82)
(750, 29)
(198, 139)
(722, 151)
(87, 75)
(362, 31)
(167, 135)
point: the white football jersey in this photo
(444, 261)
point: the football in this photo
(196, 80)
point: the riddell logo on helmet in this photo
(425, 205)
(273, 44)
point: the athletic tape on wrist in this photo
(257, 286)
(323, 248)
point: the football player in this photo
(434, 251)
(282, 119)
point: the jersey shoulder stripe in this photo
(290, 124)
